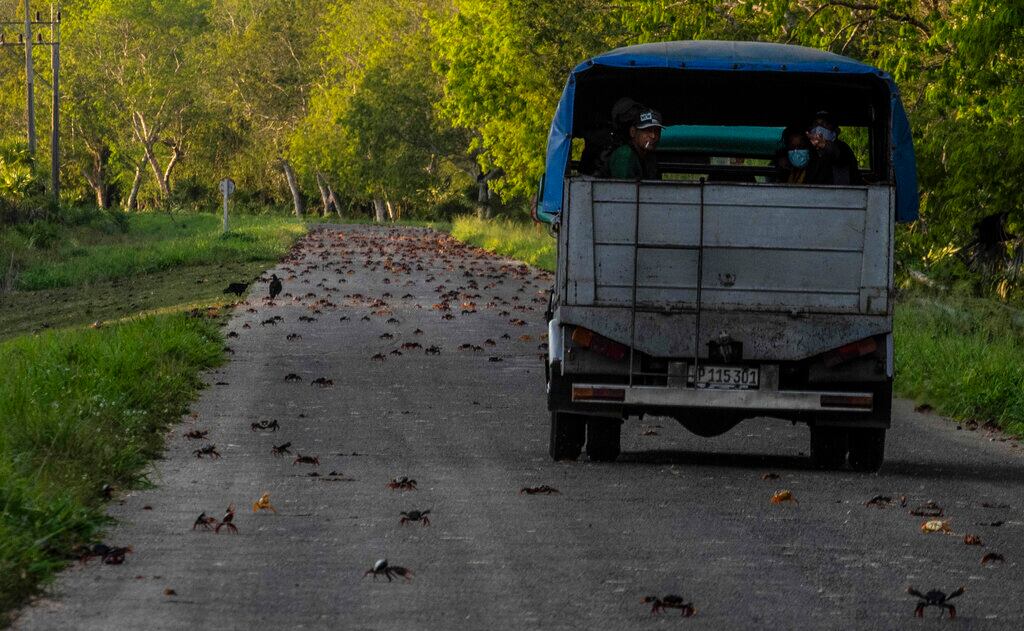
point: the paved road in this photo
(677, 514)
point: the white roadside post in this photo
(227, 187)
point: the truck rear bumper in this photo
(584, 394)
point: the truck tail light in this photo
(856, 401)
(598, 394)
(599, 344)
(850, 351)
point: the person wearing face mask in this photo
(836, 162)
(636, 160)
(794, 159)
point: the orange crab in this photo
(263, 504)
(784, 495)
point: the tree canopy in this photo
(417, 106)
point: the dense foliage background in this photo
(404, 107)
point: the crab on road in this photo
(415, 515)
(382, 568)
(935, 598)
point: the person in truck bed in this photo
(836, 162)
(636, 159)
(794, 160)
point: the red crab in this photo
(204, 521)
(401, 484)
(227, 521)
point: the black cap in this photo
(646, 118)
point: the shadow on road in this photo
(931, 470)
(710, 459)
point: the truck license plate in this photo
(725, 377)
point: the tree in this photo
(505, 63)
(373, 123)
(261, 66)
(130, 88)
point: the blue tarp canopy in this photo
(689, 82)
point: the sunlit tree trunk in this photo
(334, 200)
(326, 196)
(379, 210)
(293, 185)
(133, 195)
(149, 137)
(96, 175)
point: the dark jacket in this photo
(836, 165)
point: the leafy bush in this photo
(40, 235)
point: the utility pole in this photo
(55, 109)
(30, 81)
(25, 39)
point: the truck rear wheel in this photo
(867, 449)
(828, 447)
(603, 438)
(567, 435)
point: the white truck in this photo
(717, 294)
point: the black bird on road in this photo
(236, 288)
(275, 286)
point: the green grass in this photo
(80, 409)
(99, 272)
(964, 357)
(153, 242)
(177, 289)
(529, 243)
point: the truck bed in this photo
(808, 267)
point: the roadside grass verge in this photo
(48, 257)
(963, 356)
(106, 269)
(80, 409)
(181, 288)
(529, 243)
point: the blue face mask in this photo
(799, 157)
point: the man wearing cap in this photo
(636, 160)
